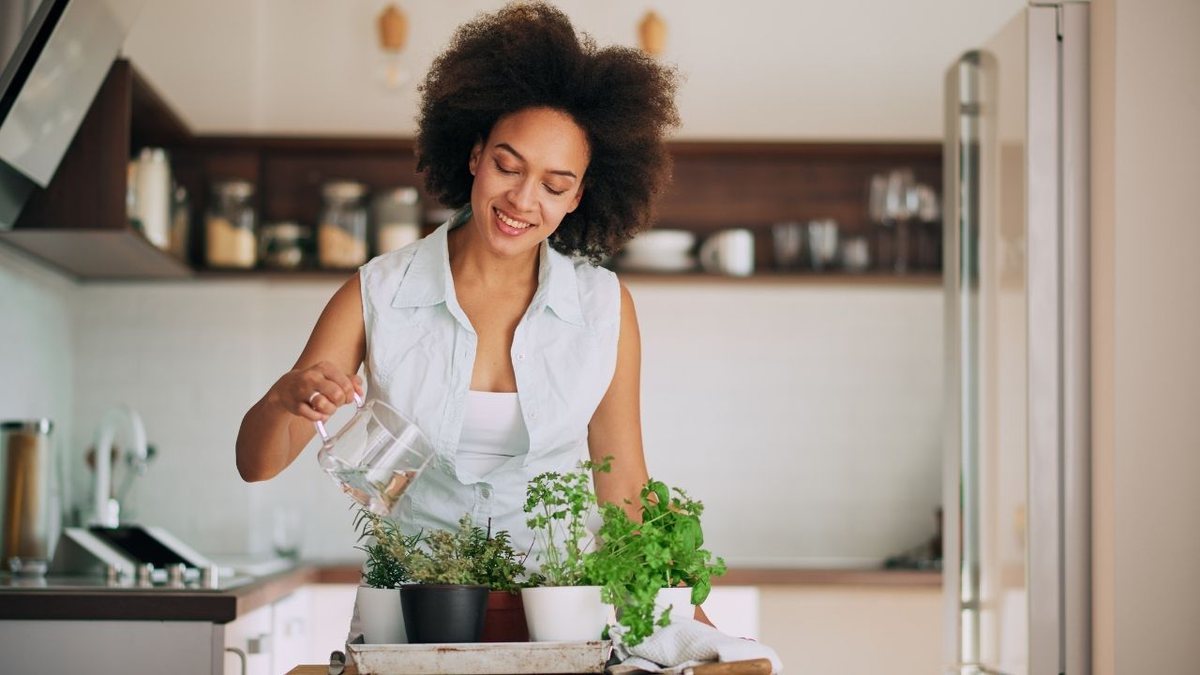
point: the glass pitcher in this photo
(376, 456)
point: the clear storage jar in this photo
(397, 215)
(230, 225)
(342, 232)
(282, 245)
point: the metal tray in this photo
(482, 658)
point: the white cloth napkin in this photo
(683, 644)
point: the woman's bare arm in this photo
(616, 426)
(277, 428)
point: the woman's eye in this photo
(553, 191)
(501, 169)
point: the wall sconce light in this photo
(393, 34)
(652, 32)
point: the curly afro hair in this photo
(528, 55)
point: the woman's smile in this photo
(510, 225)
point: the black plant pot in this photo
(443, 612)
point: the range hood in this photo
(51, 71)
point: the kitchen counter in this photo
(222, 606)
(74, 602)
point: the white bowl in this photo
(662, 241)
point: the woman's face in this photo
(528, 176)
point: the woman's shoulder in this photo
(599, 290)
(390, 266)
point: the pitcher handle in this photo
(358, 402)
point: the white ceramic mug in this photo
(729, 252)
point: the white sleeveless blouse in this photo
(420, 354)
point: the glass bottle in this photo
(230, 226)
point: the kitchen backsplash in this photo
(36, 352)
(805, 416)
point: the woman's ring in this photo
(314, 395)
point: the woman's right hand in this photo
(316, 392)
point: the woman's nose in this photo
(522, 195)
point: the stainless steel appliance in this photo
(1017, 544)
(125, 553)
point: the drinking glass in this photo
(900, 205)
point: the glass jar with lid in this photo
(342, 232)
(282, 245)
(230, 225)
(397, 215)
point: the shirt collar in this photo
(428, 281)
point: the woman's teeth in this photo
(512, 223)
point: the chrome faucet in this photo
(106, 511)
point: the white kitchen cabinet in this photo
(332, 606)
(277, 637)
(734, 610)
(110, 647)
(839, 628)
(248, 643)
(292, 631)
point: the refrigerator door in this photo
(1016, 333)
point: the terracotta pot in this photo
(505, 620)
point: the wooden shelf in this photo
(788, 278)
(78, 222)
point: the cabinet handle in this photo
(260, 644)
(241, 657)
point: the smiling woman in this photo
(498, 335)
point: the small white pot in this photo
(678, 599)
(565, 613)
(379, 616)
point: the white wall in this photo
(1146, 145)
(810, 69)
(36, 359)
(806, 417)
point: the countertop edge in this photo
(741, 576)
(223, 607)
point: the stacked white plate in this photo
(659, 251)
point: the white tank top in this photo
(493, 433)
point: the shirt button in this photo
(520, 357)
(533, 414)
(485, 491)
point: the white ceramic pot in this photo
(565, 613)
(678, 599)
(379, 616)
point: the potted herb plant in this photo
(561, 605)
(640, 562)
(447, 603)
(380, 616)
(499, 567)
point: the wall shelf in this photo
(79, 225)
